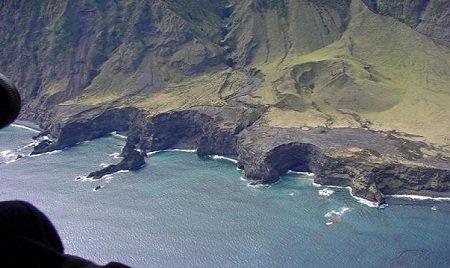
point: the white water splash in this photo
(172, 150)
(326, 192)
(219, 157)
(115, 155)
(334, 216)
(119, 136)
(307, 174)
(47, 153)
(419, 197)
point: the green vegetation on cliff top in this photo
(321, 62)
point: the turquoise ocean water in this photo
(183, 211)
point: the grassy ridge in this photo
(379, 71)
(322, 63)
(379, 74)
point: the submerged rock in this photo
(98, 188)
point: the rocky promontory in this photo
(371, 163)
(133, 160)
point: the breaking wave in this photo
(334, 216)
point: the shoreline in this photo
(305, 174)
(27, 125)
(418, 197)
(119, 136)
(308, 175)
(172, 150)
(30, 126)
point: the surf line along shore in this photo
(371, 163)
(251, 182)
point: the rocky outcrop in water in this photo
(242, 79)
(371, 163)
(42, 147)
(133, 160)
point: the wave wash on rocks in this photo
(371, 163)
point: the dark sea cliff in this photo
(182, 210)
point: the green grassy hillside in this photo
(310, 62)
(381, 73)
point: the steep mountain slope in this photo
(252, 79)
(380, 73)
(61, 50)
(429, 17)
(264, 31)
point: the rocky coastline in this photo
(372, 163)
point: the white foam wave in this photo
(362, 200)
(105, 179)
(84, 179)
(172, 150)
(109, 177)
(182, 150)
(103, 165)
(243, 178)
(258, 185)
(315, 184)
(47, 153)
(11, 161)
(366, 202)
(307, 174)
(115, 155)
(334, 216)
(326, 192)
(218, 157)
(419, 197)
(9, 156)
(153, 152)
(117, 135)
(25, 127)
(32, 144)
(358, 199)
(123, 171)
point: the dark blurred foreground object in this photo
(28, 239)
(9, 101)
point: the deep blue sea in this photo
(183, 211)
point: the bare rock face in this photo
(88, 68)
(357, 158)
(371, 163)
(218, 142)
(170, 130)
(87, 126)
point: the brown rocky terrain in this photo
(355, 91)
